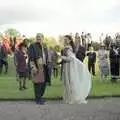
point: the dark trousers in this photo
(114, 67)
(91, 66)
(39, 89)
(47, 75)
(55, 72)
(3, 63)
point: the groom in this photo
(39, 50)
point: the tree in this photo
(32, 39)
(51, 42)
(11, 32)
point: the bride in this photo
(77, 79)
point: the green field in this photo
(9, 87)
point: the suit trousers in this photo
(91, 66)
(39, 89)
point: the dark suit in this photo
(35, 52)
(80, 54)
(91, 61)
(114, 64)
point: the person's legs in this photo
(38, 93)
(117, 69)
(49, 74)
(20, 83)
(29, 71)
(93, 69)
(17, 75)
(101, 77)
(61, 70)
(43, 87)
(114, 73)
(46, 74)
(1, 66)
(56, 72)
(89, 67)
(6, 66)
(101, 73)
(24, 83)
(36, 87)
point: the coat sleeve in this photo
(31, 53)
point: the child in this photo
(21, 65)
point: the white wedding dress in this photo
(77, 79)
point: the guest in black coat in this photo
(114, 62)
(91, 60)
(80, 54)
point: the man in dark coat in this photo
(37, 51)
(114, 62)
(80, 54)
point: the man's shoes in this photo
(20, 88)
(24, 87)
(40, 102)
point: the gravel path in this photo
(102, 109)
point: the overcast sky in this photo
(53, 17)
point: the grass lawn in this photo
(9, 87)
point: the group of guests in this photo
(38, 62)
(7, 47)
(83, 39)
(108, 61)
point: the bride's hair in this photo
(71, 42)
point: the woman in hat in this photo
(103, 62)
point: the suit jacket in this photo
(80, 54)
(113, 56)
(35, 52)
(91, 57)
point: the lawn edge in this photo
(60, 98)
